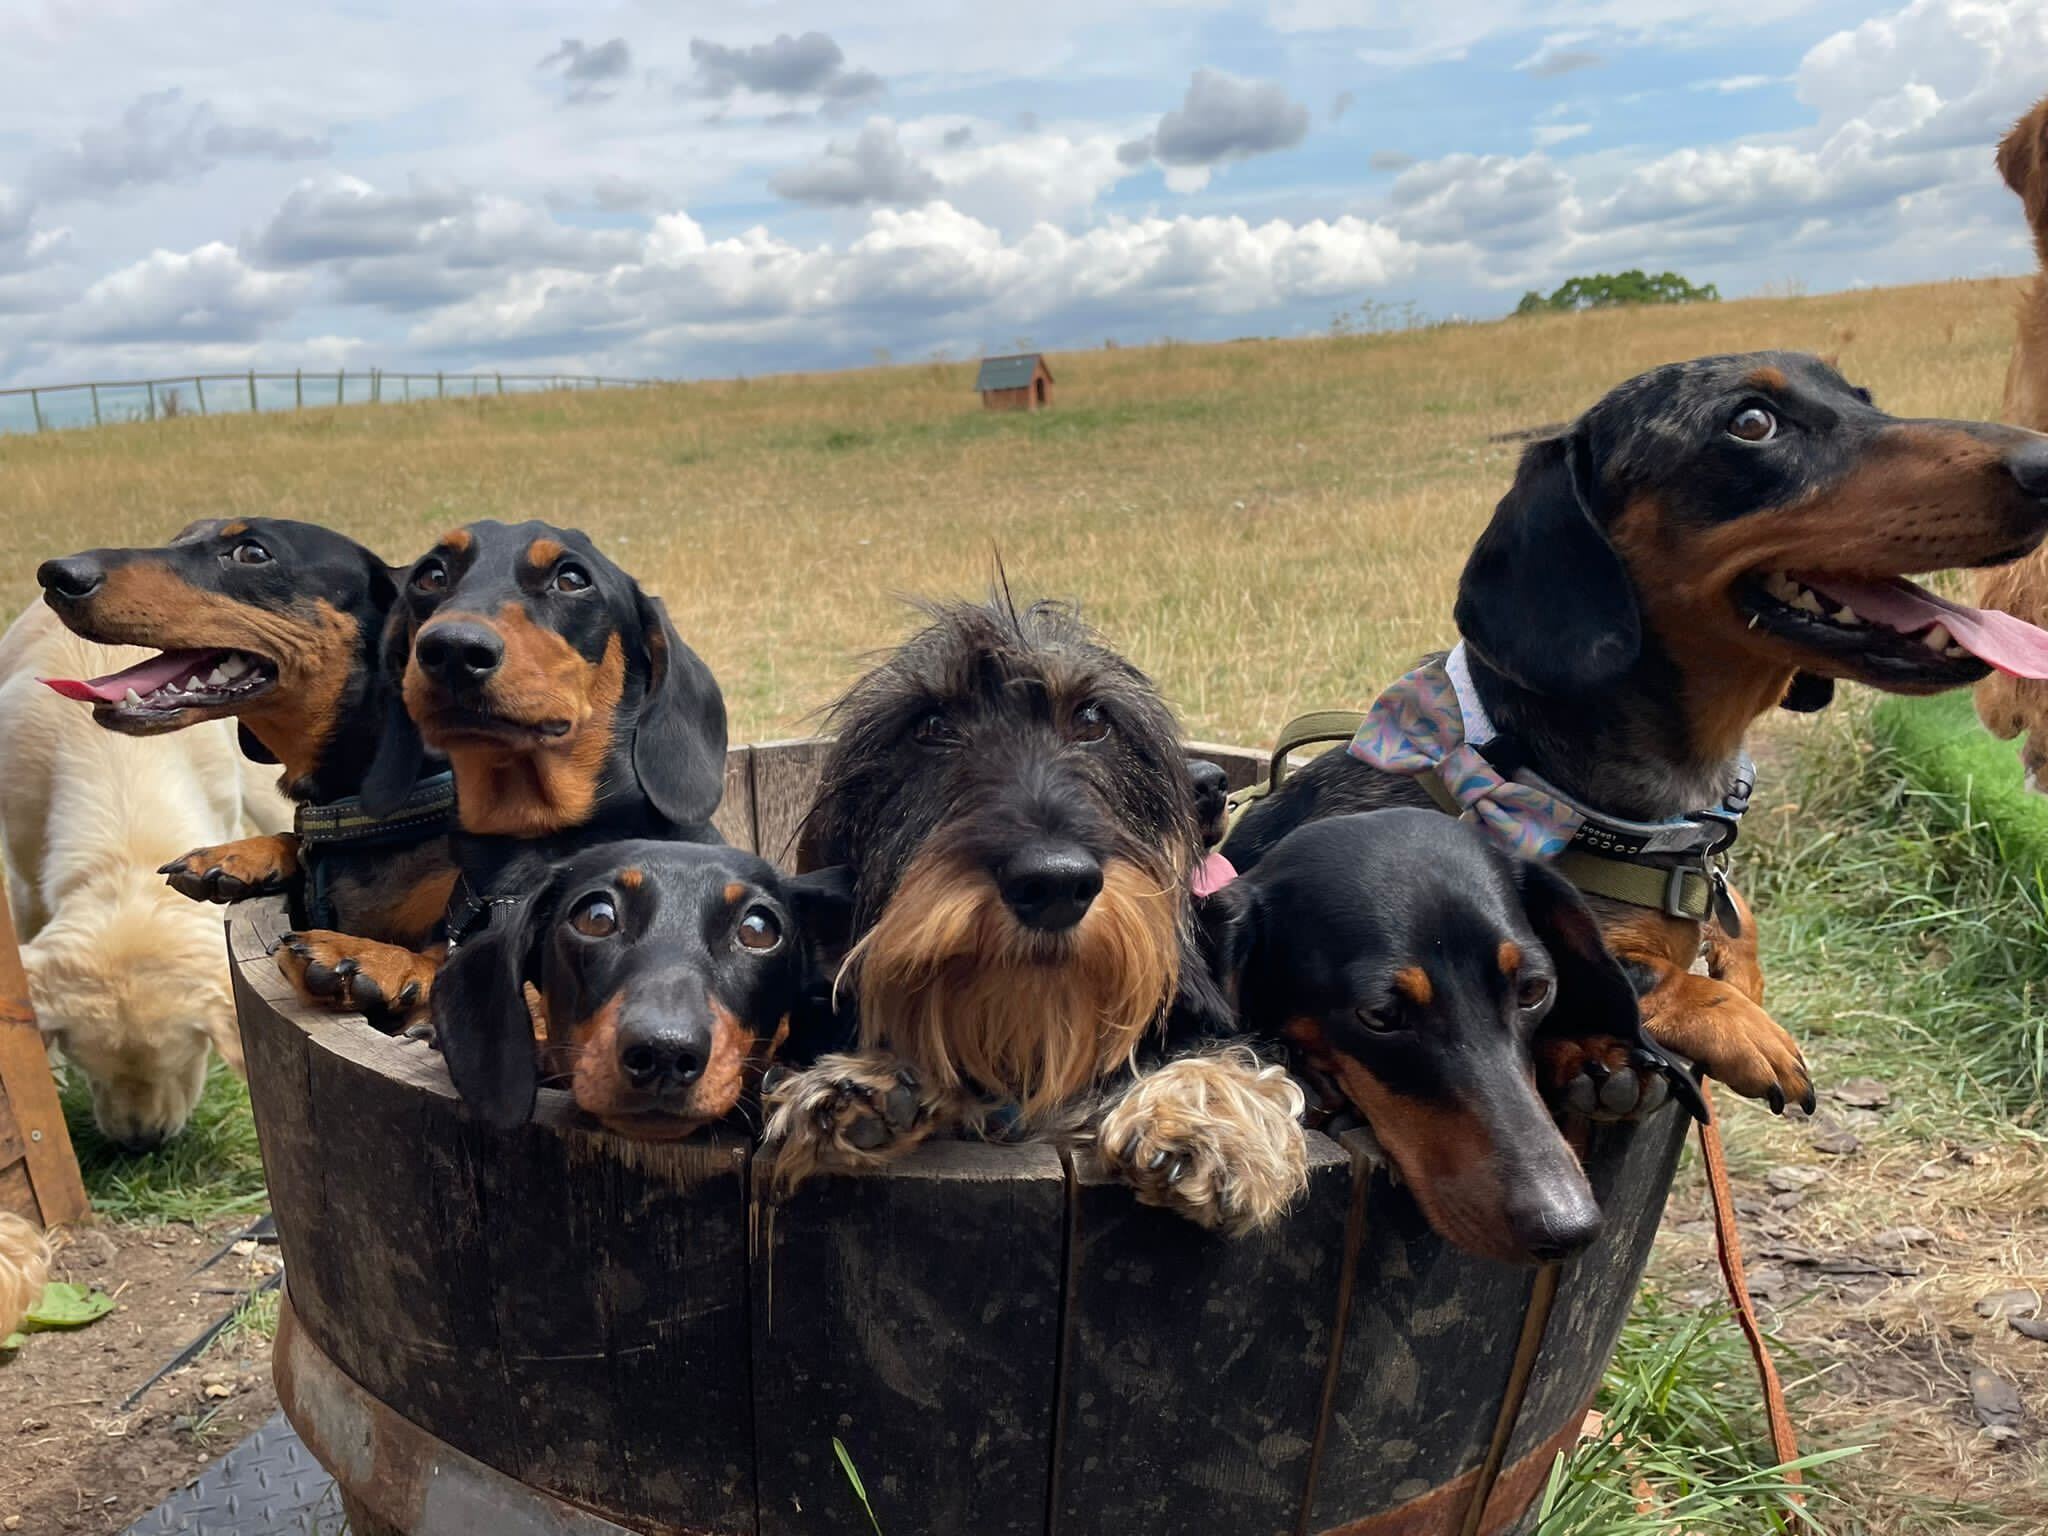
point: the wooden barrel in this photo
(552, 1329)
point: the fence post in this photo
(440, 385)
(298, 389)
(501, 384)
(340, 383)
(252, 391)
(199, 388)
(35, 404)
(95, 405)
(152, 399)
(408, 387)
(376, 385)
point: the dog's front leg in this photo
(1715, 1025)
(251, 866)
(339, 970)
(850, 1112)
(1216, 1137)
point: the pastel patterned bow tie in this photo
(1431, 721)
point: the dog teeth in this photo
(219, 678)
(1806, 602)
(1938, 638)
(1781, 586)
(1846, 615)
(132, 699)
(1955, 653)
(194, 683)
(230, 669)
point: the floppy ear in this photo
(1229, 918)
(679, 741)
(1545, 600)
(480, 1017)
(2023, 162)
(1593, 992)
(823, 902)
(1809, 693)
(199, 528)
(400, 754)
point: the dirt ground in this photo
(71, 1458)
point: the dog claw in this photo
(1156, 1160)
(1776, 1099)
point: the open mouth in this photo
(158, 692)
(1892, 632)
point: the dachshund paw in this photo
(1732, 1040)
(1217, 1138)
(254, 866)
(340, 971)
(1603, 1078)
(847, 1113)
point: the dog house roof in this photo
(1014, 372)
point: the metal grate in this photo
(269, 1485)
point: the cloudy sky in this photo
(677, 188)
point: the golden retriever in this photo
(2009, 705)
(128, 978)
(24, 1266)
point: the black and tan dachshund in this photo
(278, 625)
(1710, 540)
(671, 976)
(1010, 799)
(569, 711)
(1444, 989)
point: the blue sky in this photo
(681, 189)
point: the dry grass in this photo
(1265, 525)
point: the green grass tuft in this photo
(210, 1170)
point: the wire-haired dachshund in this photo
(1710, 540)
(1010, 799)
(1444, 989)
(569, 711)
(671, 975)
(278, 625)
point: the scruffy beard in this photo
(976, 1002)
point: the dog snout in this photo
(71, 579)
(1050, 885)
(1553, 1220)
(2028, 465)
(459, 653)
(663, 1056)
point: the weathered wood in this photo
(735, 815)
(49, 1166)
(1427, 1348)
(1240, 765)
(914, 1316)
(785, 779)
(1193, 1367)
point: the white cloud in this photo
(1735, 83)
(193, 297)
(874, 168)
(591, 71)
(1562, 54)
(1494, 202)
(788, 67)
(1550, 135)
(162, 137)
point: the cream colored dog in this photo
(24, 1266)
(128, 978)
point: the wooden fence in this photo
(253, 390)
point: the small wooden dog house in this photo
(1019, 383)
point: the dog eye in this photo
(1091, 723)
(760, 930)
(571, 578)
(1376, 1023)
(1753, 424)
(932, 730)
(432, 577)
(1533, 993)
(595, 917)
(249, 552)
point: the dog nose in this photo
(2028, 464)
(663, 1058)
(1553, 1225)
(72, 579)
(459, 653)
(1050, 886)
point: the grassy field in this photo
(1268, 527)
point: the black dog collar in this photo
(425, 811)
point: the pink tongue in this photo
(1211, 875)
(145, 677)
(2009, 644)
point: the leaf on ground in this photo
(1996, 1400)
(2018, 1303)
(1836, 1143)
(2035, 1328)
(1863, 1093)
(13, 1341)
(64, 1305)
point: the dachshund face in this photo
(1416, 968)
(1755, 515)
(670, 974)
(549, 679)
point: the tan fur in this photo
(1216, 1137)
(24, 1268)
(950, 981)
(2011, 706)
(128, 978)
(830, 1117)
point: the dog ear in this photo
(679, 742)
(1545, 600)
(480, 1017)
(2023, 162)
(252, 748)
(1594, 996)
(401, 754)
(1808, 694)
(1229, 921)
(823, 902)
